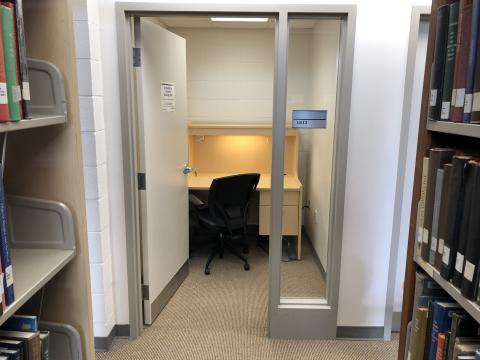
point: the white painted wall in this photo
(410, 161)
(320, 142)
(230, 73)
(377, 96)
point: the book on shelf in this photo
(436, 216)
(441, 322)
(11, 353)
(11, 68)
(30, 340)
(449, 61)
(461, 60)
(454, 214)
(419, 331)
(442, 346)
(463, 325)
(22, 57)
(421, 203)
(469, 282)
(466, 347)
(438, 157)
(442, 218)
(6, 262)
(13, 344)
(464, 224)
(21, 323)
(45, 344)
(472, 59)
(438, 66)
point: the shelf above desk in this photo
(203, 181)
(235, 129)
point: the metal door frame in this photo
(281, 312)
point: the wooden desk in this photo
(242, 148)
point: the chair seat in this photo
(206, 219)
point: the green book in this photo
(14, 93)
(449, 61)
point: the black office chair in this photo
(226, 213)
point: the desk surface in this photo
(203, 181)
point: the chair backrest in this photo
(229, 197)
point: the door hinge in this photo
(142, 181)
(145, 292)
(137, 58)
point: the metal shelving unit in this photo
(448, 127)
(470, 307)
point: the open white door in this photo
(163, 150)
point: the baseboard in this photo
(315, 254)
(396, 321)
(360, 332)
(104, 343)
(162, 300)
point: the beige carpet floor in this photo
(223, 316)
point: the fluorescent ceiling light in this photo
(238, 19)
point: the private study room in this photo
(205, 98)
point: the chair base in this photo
(219, 250)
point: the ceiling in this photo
(205, 22)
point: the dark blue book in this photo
(11, 353)
(472, 60)
(441, 322)
(21, 323)
(12, 345)
(4, 248)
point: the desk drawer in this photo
(289, 222)
(289, 198)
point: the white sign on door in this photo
(168, 96)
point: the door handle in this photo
(187, 169)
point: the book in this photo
(461, 60)
(421, 203)
(472, 59)
(419, 331)
(438, 157)
(45, 344)
(10, 59)
(464, 225)
(442, 218)
(31, 342)
(449, 61)
(22, 58)
(454, 214)
(21, 323)
(438, 66)
(441, 346)
(463, 325)
(6, 263)
(13, 345)
(4, 114)
(11, 353)
(469, 283)
(436, 215)
(466, 347)
(475, 115)
(441, 322)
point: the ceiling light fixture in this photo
(238, 19)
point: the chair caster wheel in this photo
(246, 267)
(245, 250)
(207, 271)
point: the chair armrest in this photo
(195, 201)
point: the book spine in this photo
(454, 214)
(4, 248)
(461, 60)
(440, 346)
(449, 61)
(436, 215)
(421, 203)
(22, 59)
(464, 225)
(13, 89)
(442, 218)
(472, 60)
(438, 66)
(4, 115)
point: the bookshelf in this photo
(44, 161)
(432, 134)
